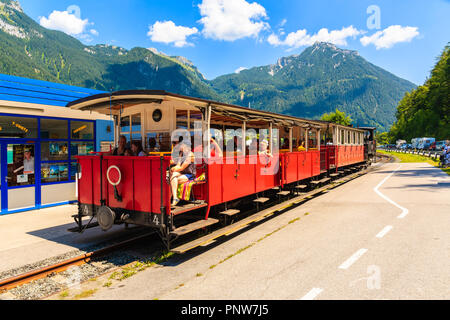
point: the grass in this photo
(85, 294)
(414, 158)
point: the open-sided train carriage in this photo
(135, 190)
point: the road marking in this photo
(358, 254)
(311, 295)
(404, 210)
(383, 232)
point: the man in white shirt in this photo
(28, 162)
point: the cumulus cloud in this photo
(231, 20)
(390, 36)
(301, 37)
(169, 33)
(65, 22)
(94, 32)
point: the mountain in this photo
(319, 80)
(29, 50)
(425, 112)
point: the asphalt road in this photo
(384, 235)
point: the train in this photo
(294, 154)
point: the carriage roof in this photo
(111, 103)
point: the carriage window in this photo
(182, 119)
(312, 139)
(342, 137)
(158, 142)
(299, 138)
(136, 127)
(194, 116)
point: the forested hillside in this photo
(425, 111)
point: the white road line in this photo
(352, 259)
(404, 210)
(311, 295)
(383, 232)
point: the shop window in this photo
(82, 130)
(21, 165)
(81, 148)
(18, 127)
(54, 172)
(54, 151)
(54, 129)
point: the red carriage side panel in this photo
(304, 166)
(290, 167)
(85, 191)
(142, 185)
(155, 171)
(267, 173)
(315, 163)
(126, 187)
(214, 184)
(238, 179)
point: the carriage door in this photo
(18, 168)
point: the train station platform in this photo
(32, 236)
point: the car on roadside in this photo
(439, 145)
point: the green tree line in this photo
(425, 111)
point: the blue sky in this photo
(220, 36)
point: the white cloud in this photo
(301, 37)
(167, 32)
(94, 32)
(231, 20)
(65, 22)
(238, 70)
(390, 36)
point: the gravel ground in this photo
(55, 283)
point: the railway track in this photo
(13, 282)
(19, 280)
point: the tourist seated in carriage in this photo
(120, 150)
(183, 171)
(136, 148)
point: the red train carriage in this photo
(135, 190)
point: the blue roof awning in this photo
(26, 90)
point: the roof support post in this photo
(318, 139)
(290, 139)
(208, 124)
(244, 134)
(307, 139)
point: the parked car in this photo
(425, 143)
(440, 145)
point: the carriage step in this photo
(302, 186)
(335, 174)
(284, 193)
(261, 200)
(193, 227)
(276, 188)
(230, 212)
(89, 226)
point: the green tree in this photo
(338, 117)
(425, 111)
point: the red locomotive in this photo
(293, 153)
